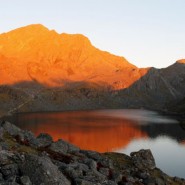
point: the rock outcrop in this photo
(29, 160)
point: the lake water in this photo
(122, 131)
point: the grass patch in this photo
(120, 161)
(15, 146)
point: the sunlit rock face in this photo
(181, 61)
(34, 53)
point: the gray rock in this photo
(79, 166)
(28, 137)
(59, 147)
(92, 154)
(109, 183)
(82, 167)
(61, 165)
(1, 133)
(106, 162)
(96, 175)
(76, 170)
(129, 183)
(79, 181)
(10, 183)
(90, 163)
(130, 179)
(4, 145)
(42, 170)
(116, 176)
(25, 180)
(143, 159)
(5, 157)
(63, 147)
(9, 170)
(105, 171)
(150, 181)
(10, 128)
(42, 141)
(24, 137)
(143, 175)
(72, 173)
(12, 179)
(1, 177)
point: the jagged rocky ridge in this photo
(29, 160)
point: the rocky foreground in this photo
(29, 160)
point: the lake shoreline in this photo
(161, 112)
(63, 163)
(82, 134)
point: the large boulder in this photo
(63, 147)
(42, 141)
(143, 159)
(41, 170)
(24, 137)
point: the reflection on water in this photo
(84, 129)
(115, 130)
(138, 115)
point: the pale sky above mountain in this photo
(146, 32)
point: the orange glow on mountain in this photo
(182, 61)
(34, 53)
(93, 134)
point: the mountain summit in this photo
(35, 53)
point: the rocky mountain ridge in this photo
(66, 72)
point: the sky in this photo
(146, 32)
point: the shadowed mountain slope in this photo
(157, 89)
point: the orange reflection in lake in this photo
(84, 129)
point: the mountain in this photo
(158, 89)
(66, 72)
(34, 53)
